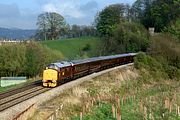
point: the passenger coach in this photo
(64, 71)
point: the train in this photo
(63, 71)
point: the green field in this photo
(73, 48)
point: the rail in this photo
(26, 112)
(19, 89)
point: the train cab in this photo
(56, 72)
(50, 75)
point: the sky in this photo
(23, 13)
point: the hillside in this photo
(16, 33)
(75, 48)
(122, 94)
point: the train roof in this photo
(62, 64)
(101, 58)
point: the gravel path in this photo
(10, 113)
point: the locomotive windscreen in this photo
(52, 66)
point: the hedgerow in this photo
(25, 59)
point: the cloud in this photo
(9, 11)
(68, 8)
(24, 14)
(89, 6)
(11, 16)
(49, 8)
(74, 13)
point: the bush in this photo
(165, 46)
(37, 57)
(86, 48)
(25, 59)
(127, 37)
(99, 113)
(157, 67)
(12, 59)
(174, 29)
(140, 61)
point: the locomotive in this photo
(64, 71)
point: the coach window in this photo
(66, 69)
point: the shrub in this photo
(155, 69)
(12, 59)
(165, 46)
(174, 29)
(37, 57)
(25, 59)
(158, 67)
(133, 36)
(140, 60)
(99, 113)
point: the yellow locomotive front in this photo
(50, 76)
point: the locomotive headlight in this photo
(54, 81)
(44, 80)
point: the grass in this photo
(86, 94)
(158, 101)
(120, 89)
(74, 48)
(4, 89)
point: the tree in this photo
(132, 37)
(174, 29)
(76, 29)
(81, 30)
(12, 59)
(127, 37)
(137, 10)
(88, 30)
(51, 25)
(108, 18)
(156, 13)
(37, 57)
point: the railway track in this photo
(15, 96)
(20, 89)
(18, 95)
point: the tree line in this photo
(150, 13)
(123, 28)
(52, 26)
(80, 30)
(25, 59)
(118, 32)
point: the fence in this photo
(53, 115)
(7, 81)
(26, 113)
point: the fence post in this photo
(81, 115)
(113, 111)
(56, 113)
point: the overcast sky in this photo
(23, 13)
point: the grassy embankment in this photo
(75, 48)
(132, 95)
(153, 95)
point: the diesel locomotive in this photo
(69, 70)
